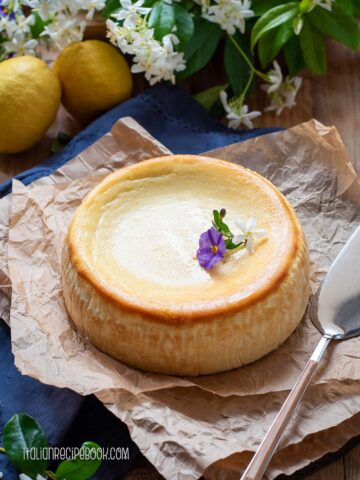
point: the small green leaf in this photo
(338, 24)
(59, 142)
(110, 7)
(306, 6)
(313, 49)
(259, 7)
(38, 25)
(209, 97)
(231, 246)
(81, 468)
(162, 19)
(293, 56)
(237, 69)
(20, 435)
(219, 225)
(201, 48)
(184, 25)
(271, 43)
(147, 3)
(273, 18)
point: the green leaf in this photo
(38, 25)
(209, 97)
(147, 3)
(313, 49)
(293, 56)
(21, 434)
(81, 468)
(260, 7)
(162, 19)
(220, 225)
(338, 24)
(59, 142)
(201, 48)
(273, 18)
(110, 7)
(271, 43)
(237, 69)
(184, 25)
(231, 246)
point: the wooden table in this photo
(333, 100)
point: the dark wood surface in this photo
(334, 100)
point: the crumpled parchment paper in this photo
(210, 424)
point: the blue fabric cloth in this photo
(177, 121)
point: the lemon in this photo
(29, 98)
(94, 77)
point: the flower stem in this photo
(247, 59)
(51, 475)
(247, 86)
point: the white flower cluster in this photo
(159, 60)
(65, 23)
(282, 92)
(229, 14)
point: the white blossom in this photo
(275, 78)
(64, 30)
(248, 233)
(130, 12)
(282, 92)
(229, 14)
(236, 112)
(327, 4)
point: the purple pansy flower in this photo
(211, 248)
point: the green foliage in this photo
(38, 26)
(313, 48)
(199, 51)
(209, 97)
(237, 68)
(80, 468)
(273, 18)
(293, 55)
(271, 42)
(111, 6)
(23, 433)
(338, 24)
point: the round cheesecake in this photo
(133, 284)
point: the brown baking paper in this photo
(211, 423)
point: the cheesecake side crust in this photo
(188, 342)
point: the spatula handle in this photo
(268, 446)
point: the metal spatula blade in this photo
(335, 311)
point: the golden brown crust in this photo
(171, 314)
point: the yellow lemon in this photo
(94, 77)
(29, 98)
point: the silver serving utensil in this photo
(335, 311)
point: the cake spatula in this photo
(335, 311)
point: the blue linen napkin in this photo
(182, 125)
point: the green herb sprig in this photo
(224, 229)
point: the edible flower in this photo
(248, 233)
(215, 242)
(212, 248)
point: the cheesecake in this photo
(133, 284)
